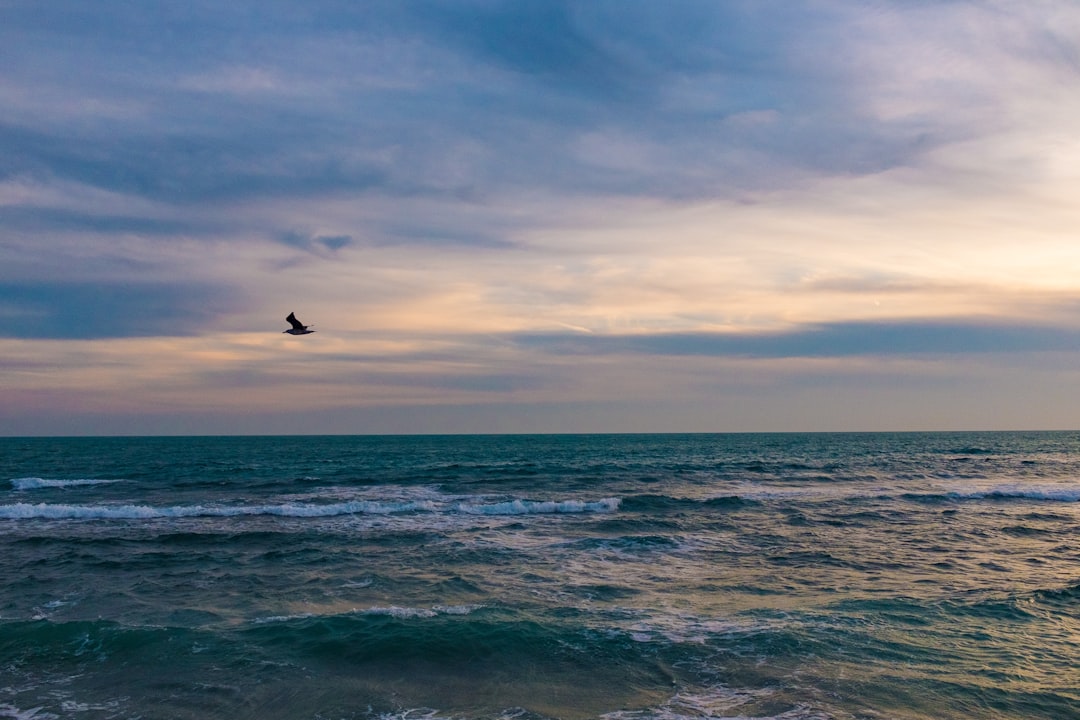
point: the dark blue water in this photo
(792, 576)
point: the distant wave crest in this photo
(1004, 493)
(51, 511)
(401, 613)
(36, 483)
(1034, 493)
(418, 612)
(22, 511)
(532, 507)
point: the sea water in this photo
(629, 577)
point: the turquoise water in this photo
(793, 576)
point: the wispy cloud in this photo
(897, 339)
(108, 310)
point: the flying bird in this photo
(298, 328)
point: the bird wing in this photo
(297, 325)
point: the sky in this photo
(539, 216)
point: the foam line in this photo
(531, 507)
(36, 483)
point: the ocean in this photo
(626, 577)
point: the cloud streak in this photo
(107, 310)
(896, 339)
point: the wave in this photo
(718, 702)
(531, 507)
(416, 612)
(710, 702)
(1064, 598)
(393, 611)
(666, 503)
(974, 450)
(26, 511)
(1048, 494)
(452, 635)
(36, 483)
(1007, 492)
(49, 511)
(10, 711)
(628, 542)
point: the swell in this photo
(469, 639)
(383, 658)
(1019, 609)
(48, 643)
(399, 657)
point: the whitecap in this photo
(1052, 494)
(685, 629)
(36, 483)
(414, 612)
(457, 609)
(532, 507)
(50, 511)
(280, 618)
(398, 612)
(1020, 492)
(26, 511)
(70, 706)
(415, 714)
(714, 702)
(38, 713)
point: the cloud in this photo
(747, 181)
(108, 310)
(529, 37)
(27, 219)
(318, 244)
(901, 339)
(681, 82)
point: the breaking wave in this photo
(51, 511)
(1035, 493)
(533, 507)
(36, 483)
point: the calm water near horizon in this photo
(628, 577)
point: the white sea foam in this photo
(36, 483)
(965, 490)
(1048, 493)
(47, 511)
(683, 629)
(70, 706)
(457, 609)
(281, 618)
(55, 511)
(530, 507)
(53, 604)
(416, 714)
(716, 702)
(413, 612)
(391, 611)
(14, 713)
(399, 612)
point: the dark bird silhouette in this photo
(298, 328)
